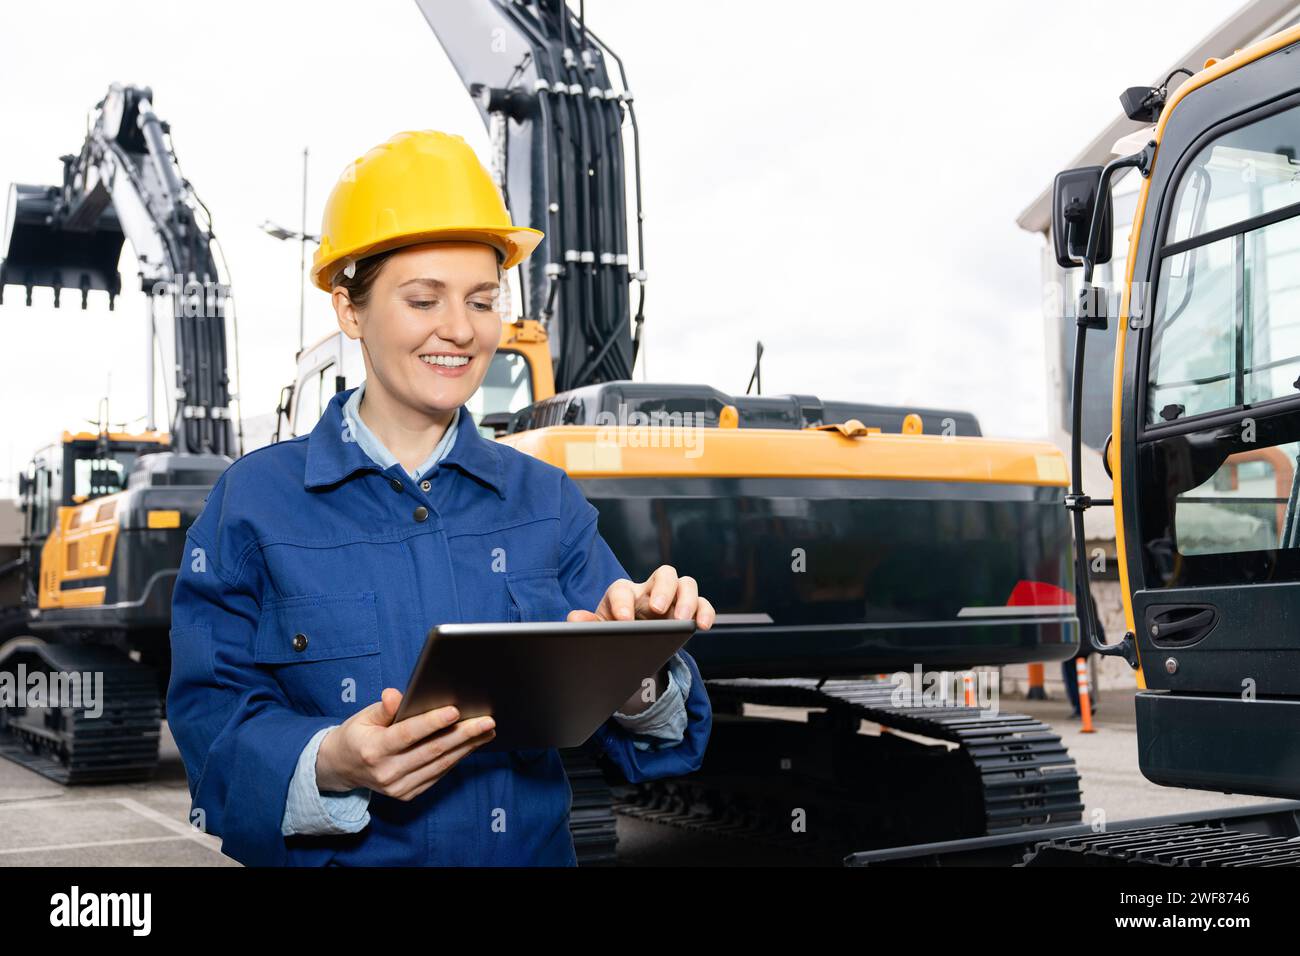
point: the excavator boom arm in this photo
(540, 80)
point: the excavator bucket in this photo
(42, 248)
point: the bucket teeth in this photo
(51, 248)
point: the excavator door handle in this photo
(1180, 626)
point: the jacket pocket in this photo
(323, 650)
(536, 595)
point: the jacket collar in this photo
(331, 457)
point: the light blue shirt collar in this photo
(374, 448)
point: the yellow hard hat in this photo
(420, 186)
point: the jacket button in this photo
(421, 513)
(396, 483)
(426, 485)
(300, 642)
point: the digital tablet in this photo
(546, 684)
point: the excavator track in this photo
(111, 737)
(1187, 845)
(982, 775)
(591, 817)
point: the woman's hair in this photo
(363, 277)
(367, 270)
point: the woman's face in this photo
(431, 323)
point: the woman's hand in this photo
(662, 595)
(400, 760)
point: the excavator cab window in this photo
(507, 387)
(1225, 332)
(1225, 348)
(313, 394)
(95, 477)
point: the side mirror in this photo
(282, 411)
(24, 484)
(1074, 202)
(286, 400)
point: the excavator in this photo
(1203, 458)
(105, 512)
(842, 542)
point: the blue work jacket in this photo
(309, 583)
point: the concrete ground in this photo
(144, 824)
(132, 824)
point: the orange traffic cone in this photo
(1085, 697)
(968, 682)
(1037, 690)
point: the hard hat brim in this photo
(516, 243)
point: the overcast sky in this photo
(838, 179)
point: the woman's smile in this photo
(450, 364)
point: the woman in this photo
(318, 565)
